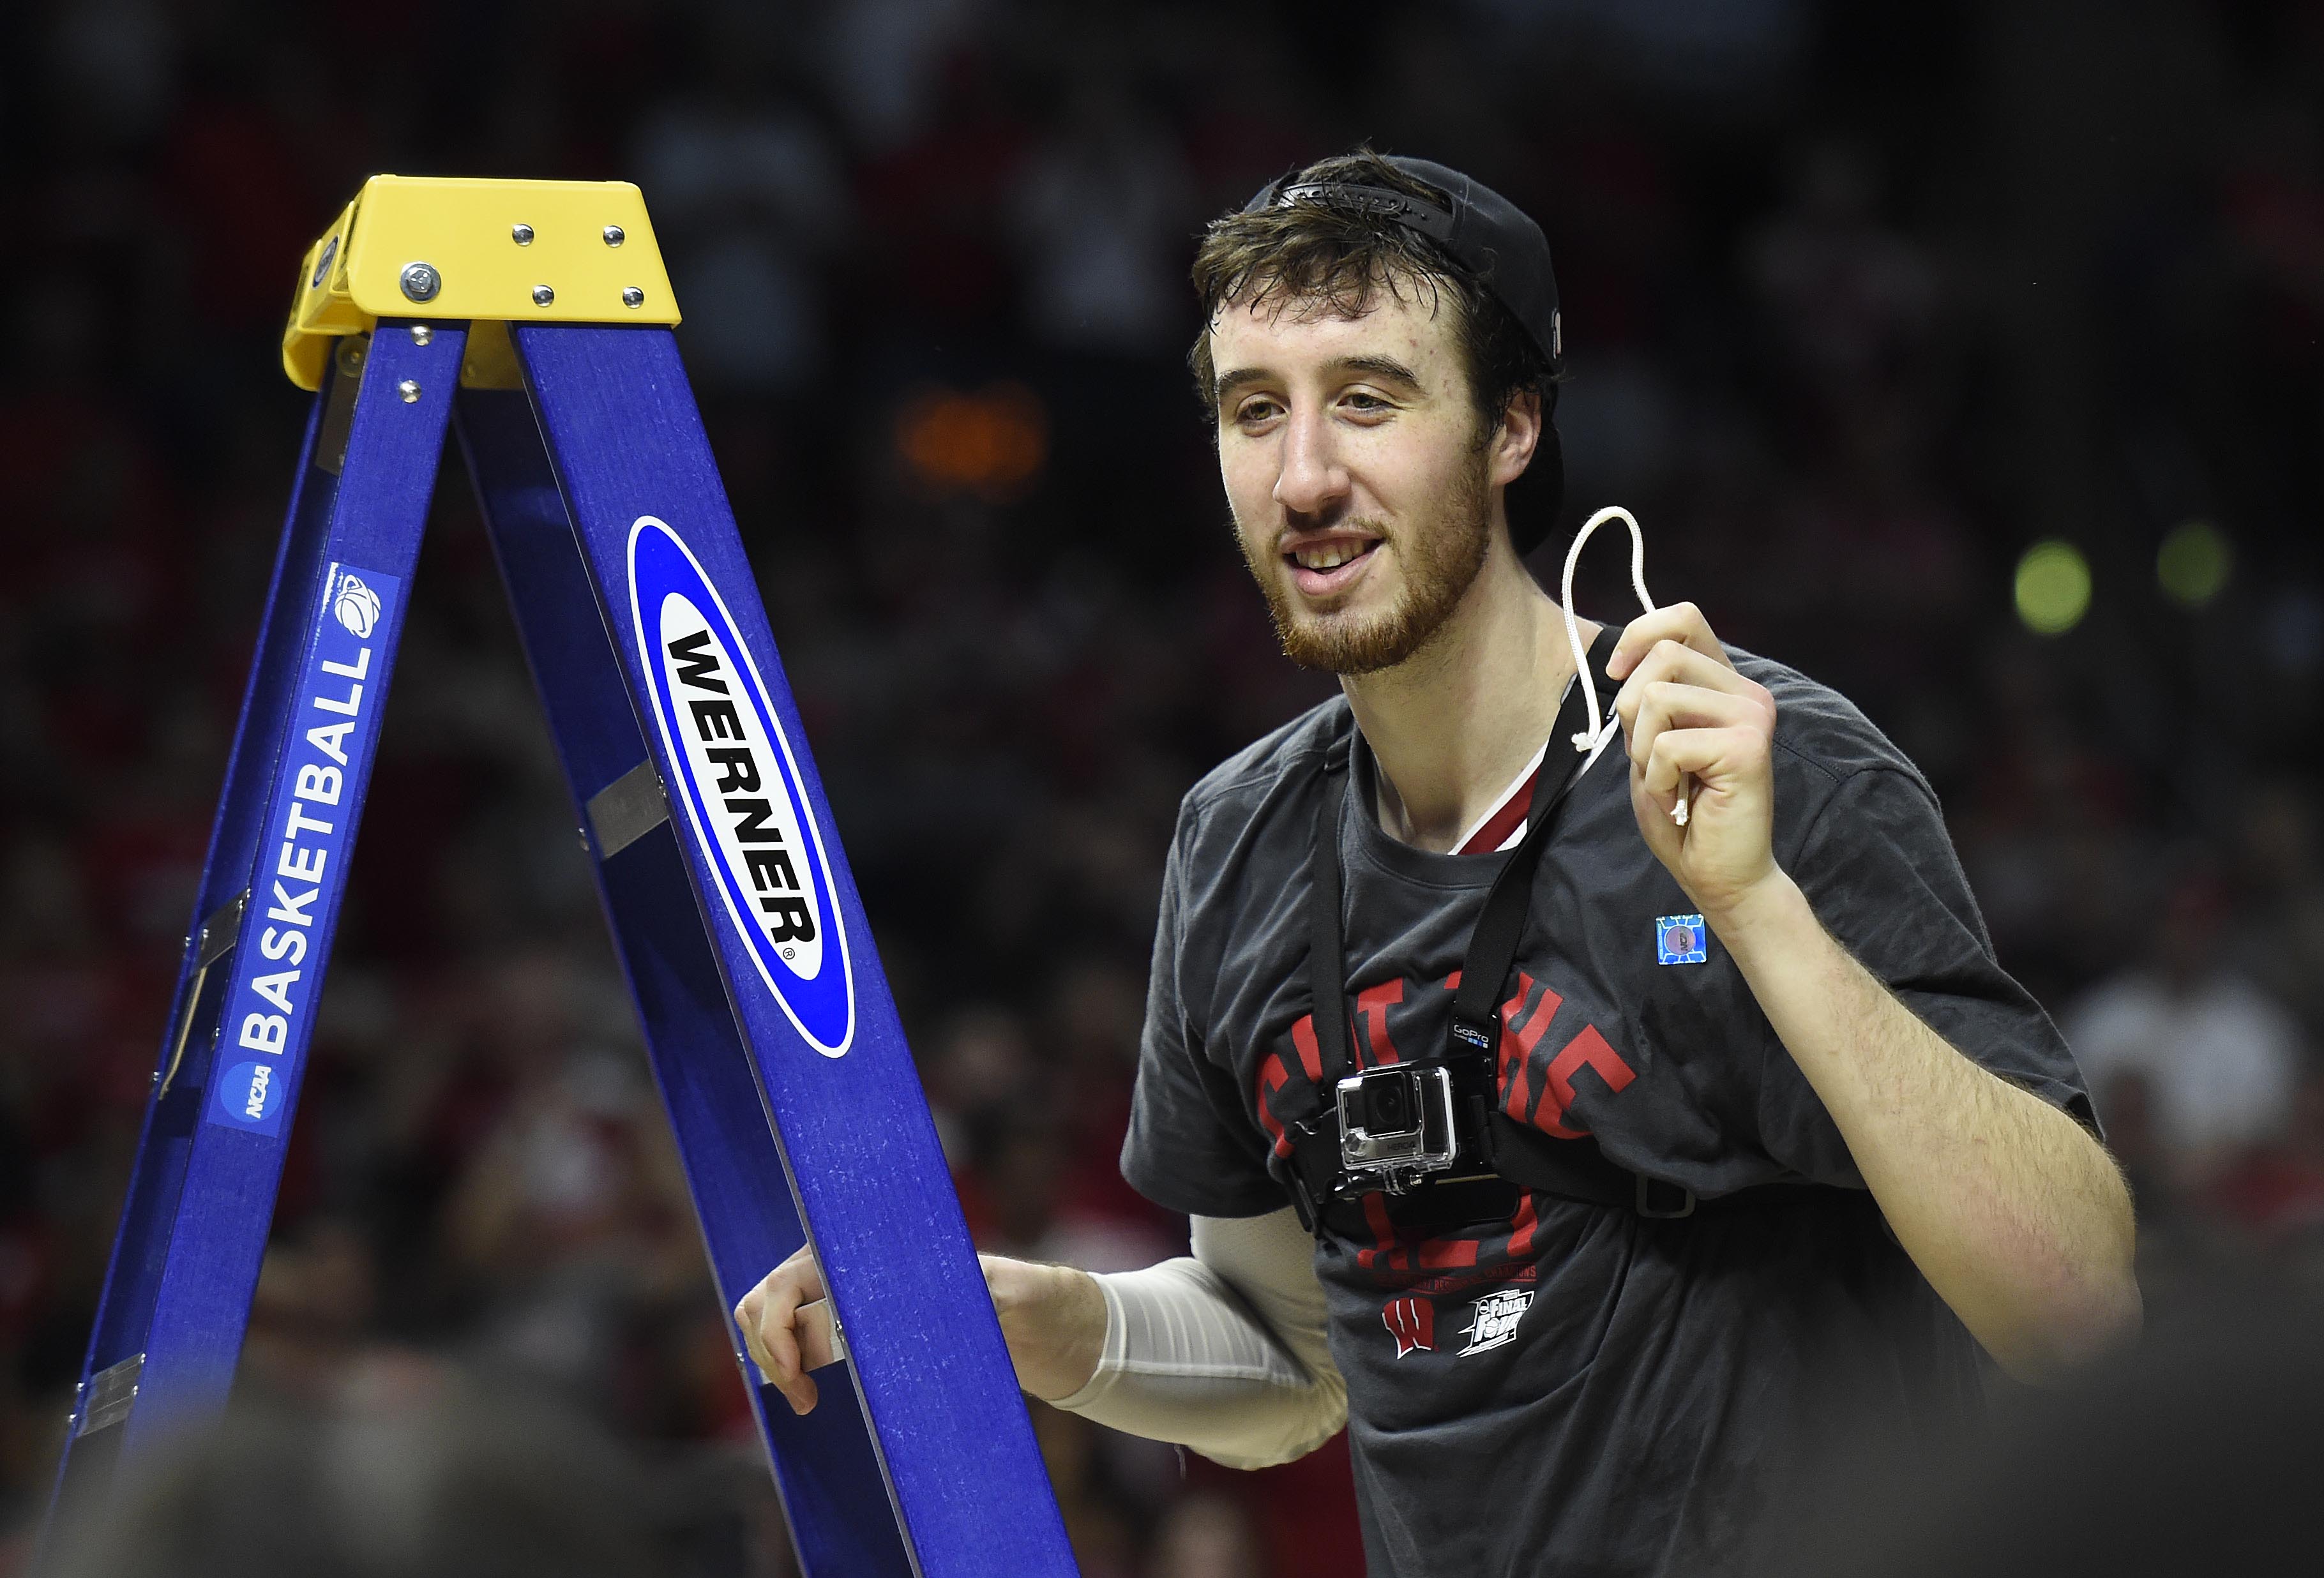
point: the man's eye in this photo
(1365, 401)
(1255, 410)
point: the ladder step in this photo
(111, 1392)
(213, 942)
(626, 810)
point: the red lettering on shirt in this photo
(1517, 1042)
(1514, 1071)
(1272, 1077)
(1522, 1226)
(1587, 1050)
(1383, 1234)
(1530, 1094)
(1303, 1037)
(1436, 1254)
(1371, 1007)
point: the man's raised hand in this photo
(1687, 714)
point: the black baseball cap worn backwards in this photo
(1492, 238)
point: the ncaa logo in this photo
(740, 786)
(248, 1090)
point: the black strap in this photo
(1327, 965)
(1500, 926)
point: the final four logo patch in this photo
(1495, 1320)
(1680, 939)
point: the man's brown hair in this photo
(1317, 255)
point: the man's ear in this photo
(1519, 435)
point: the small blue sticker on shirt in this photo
(1680, 939)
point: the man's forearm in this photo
(2017, 1217)
(1226, 1353)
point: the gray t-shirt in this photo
(1578, 1390)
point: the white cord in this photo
(1594, 738)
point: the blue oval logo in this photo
(739, 783)
(248, 1091)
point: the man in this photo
(1737, 1134)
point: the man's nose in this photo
(1312, 481)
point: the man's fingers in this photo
(1670, 658)
(1665, 705)
(768, 1317)
(1669, 661)
(802, 1272)
(802, 1394)
(780, 1342)
(746, 1321)
(1710, 754)
(1682, 623)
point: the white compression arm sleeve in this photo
(1224, 1353)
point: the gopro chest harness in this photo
(1430, 1136)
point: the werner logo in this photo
(740, 785)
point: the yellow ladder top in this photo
(483, 252)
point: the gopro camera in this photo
(1396, 1126)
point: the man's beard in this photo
(1441, 558)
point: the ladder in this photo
(535, 319)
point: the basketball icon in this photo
(357, 605)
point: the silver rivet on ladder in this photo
(421, 282)
(522, 234)
(410, 390)
(421, 334)
(616, 236)
(632, 297)
(542, 295)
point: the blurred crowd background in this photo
(1965, 355)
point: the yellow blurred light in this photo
(2053, 587)
(2194, 564)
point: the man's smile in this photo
(1325, 564)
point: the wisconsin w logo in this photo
(1412, 1321)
